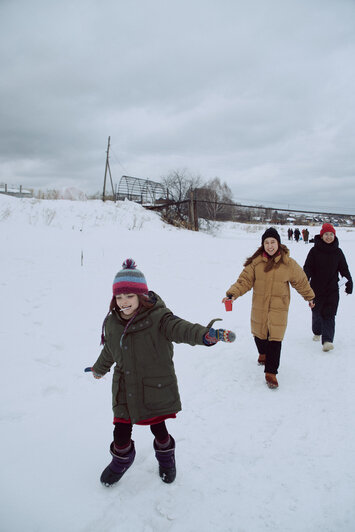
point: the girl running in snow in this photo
(323, 264)
(137, 335)
(270, 271)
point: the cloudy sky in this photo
(259, 93)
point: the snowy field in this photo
(249, 459)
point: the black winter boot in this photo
(119, 465)
(166, 459)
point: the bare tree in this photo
(215, 195)
(179, 183)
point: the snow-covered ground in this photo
(248, 459)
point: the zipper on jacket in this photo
(126, 327)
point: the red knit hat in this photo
(327, 228)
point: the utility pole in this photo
(107, 167)
(193, 216)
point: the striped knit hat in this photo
(129, 280)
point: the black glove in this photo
(349, 287)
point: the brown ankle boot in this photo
(271, 380)
(262, 360)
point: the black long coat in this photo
(323, 265)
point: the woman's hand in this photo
(311, 304)
(226, 298)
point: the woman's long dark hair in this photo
(283, 251)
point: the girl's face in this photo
(127, 303)
(328, 238)
(271, 246)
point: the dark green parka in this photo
(144, 383)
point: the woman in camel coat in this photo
(270, 271)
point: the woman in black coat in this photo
(323, 264)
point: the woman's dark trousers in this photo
(323, 326)
(272, 350)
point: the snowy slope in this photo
(249, 459)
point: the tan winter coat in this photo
(271, 293)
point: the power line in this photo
(293, 206)
(118, 161)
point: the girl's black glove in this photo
(349, 287)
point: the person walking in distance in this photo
(305, 235)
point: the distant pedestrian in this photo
(290, 233)
(305, 235)
(269, 272)
(297, 234)
(323, 264)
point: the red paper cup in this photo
(228, 304)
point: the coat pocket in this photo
(118, 391)
(160, 392)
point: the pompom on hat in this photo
(129, 280)
(271, 233)
(327, 228)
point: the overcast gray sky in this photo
(259, 93)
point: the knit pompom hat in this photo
(271, 233)
(327, 228)
(129, 280)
